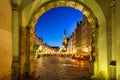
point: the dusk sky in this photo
(50, 26)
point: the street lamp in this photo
(74, 51)
(40, 48)
(85, 49)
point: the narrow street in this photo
(59, 68)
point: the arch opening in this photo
(44, 49)
(87, 12)
(91, 18)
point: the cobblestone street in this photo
(58, 68)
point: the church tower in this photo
(64, 41)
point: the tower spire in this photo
(64, 32)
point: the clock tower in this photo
(64, 47)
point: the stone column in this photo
(22, 50)
(95, 53)
(15, 40)
(112, 64)
(117, 38)
(27, 55)
(32, 67)
(112, 5)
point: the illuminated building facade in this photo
(86, 36)
(69, 48)
(78, 37)
(74, 42)
(55, 48)
(38, 40)
(81, 38)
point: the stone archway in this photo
(88, 11)
(94, 17)
(53, 4)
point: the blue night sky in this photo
(50, 26)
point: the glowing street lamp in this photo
(40, 48)
(74, 51)
(86, 49)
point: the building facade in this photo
(78, 37)
(74, 42)
(86, 36)
(69, 48)
(38, 41)
(81, 38)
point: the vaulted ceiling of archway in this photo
(53, 4)
(35, 10)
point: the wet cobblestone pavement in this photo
(58, 68)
